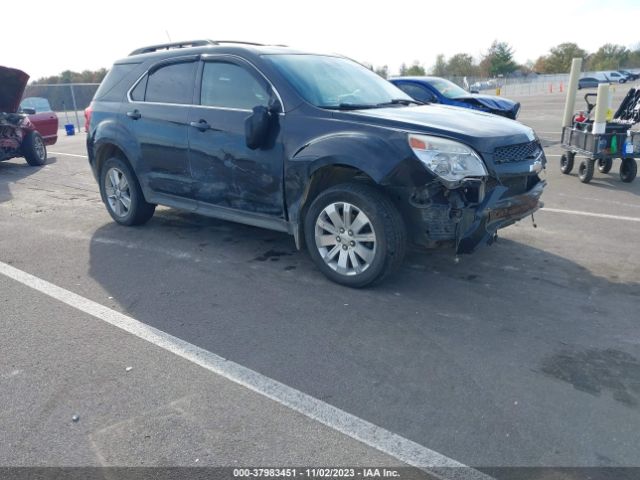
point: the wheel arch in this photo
(322, 177)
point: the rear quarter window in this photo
(114, 85)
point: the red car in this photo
(19, 136)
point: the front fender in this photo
(387, 162)
(367, 153)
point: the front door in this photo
(225, 171)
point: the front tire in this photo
(566, 162)
(354, 234)
(34, 150)
(585, 170)
(122, 195)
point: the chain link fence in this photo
(516, 86)
(68, 100)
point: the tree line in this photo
(68, 76)
(498, 60)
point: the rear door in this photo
(225, 171)
(157, 114)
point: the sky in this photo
(46, 37)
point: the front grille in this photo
(519, 152)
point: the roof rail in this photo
(187, 44)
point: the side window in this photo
(229, 85)
(417, 92)
(171, 84)
(137, 94)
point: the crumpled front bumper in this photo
(480, 223)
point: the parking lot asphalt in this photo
(526, 353)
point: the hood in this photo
(492, 102)
(12, 85)
(483, 131)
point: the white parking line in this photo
(68, 154)
(383, 440)
(591, 214)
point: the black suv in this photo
(314, 145)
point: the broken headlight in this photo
(451, 161)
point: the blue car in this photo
(440, 90)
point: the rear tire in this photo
(604, 165)
(628, 170)
(566, 162)
(34, 149)
(585, 170)
(355, 234)
(122, 195)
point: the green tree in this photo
(461, 64)
(540, 64)
(383, 71)
(440, 68)
(68, 76)
(498, 60)
(560, 57)
(609, 57)
(634, 59)
(416, 69)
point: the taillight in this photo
(87, 117)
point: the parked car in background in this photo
(43, 118)
(591, 82)
(18, 136)
(314, 145)
(630, 75)
(477, 87)
(616, 77)
(442, 91)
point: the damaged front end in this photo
(490, 104)
(13, 128)
(468, 213)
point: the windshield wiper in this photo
(362, 106)
(400, 101)
(350, 106)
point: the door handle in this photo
(135, 114)
(201, 125)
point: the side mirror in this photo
(274, 105)
(256, 127)
(29, 111)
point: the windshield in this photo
(447, 88)
(335, 82)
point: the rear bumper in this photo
(479, 224)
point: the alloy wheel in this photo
(345, 238)
(118, 192)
